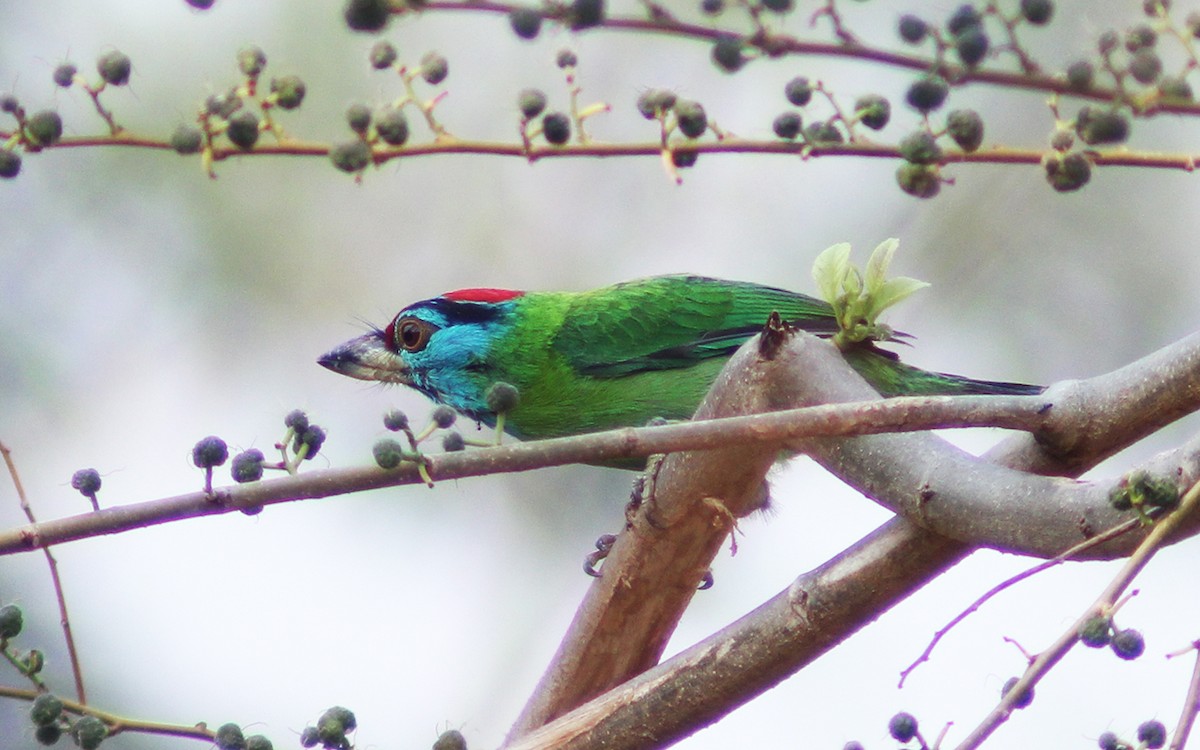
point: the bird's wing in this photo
(675, 321)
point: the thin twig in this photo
(1191, 705)
(65, 620)
(115, 723)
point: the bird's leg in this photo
(603, 546)
(643, 493)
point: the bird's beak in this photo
(366, 358)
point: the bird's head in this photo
(439, 346)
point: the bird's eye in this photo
(411, 334)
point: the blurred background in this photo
(144, 306)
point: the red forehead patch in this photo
(484, 294)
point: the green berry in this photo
(1177, 89)
(247, 466)
(434, 68)
(566, 59)
(443, 416)
(502, 397)
(684, 158)
(913, 29)
(230, 737)
(187, 139)
(358, 117)
(44, 128)
(526, 22)
(712, 7)
(87, 481)
(556, 126)
(903, 727)
(965, 126)
(334, 723)
(798, 91)
(655, 103)
(453, 442)
(313, 437)
(1068, 172)
(9, 103)
(1107, 42)
(1037, 12)
(1128, 644)
(692, 119)
(1153, 734)
(367, 15)
(242, 130)
(48, 735)
(391, 125)
(309, 737)
(45, 710)
(114, 67)
(1080, 75)
(10, 164)
(823, 133)
(1062, 140)
(258, 742)
(873, 110)
(531, 102)
(64, 74)
(778, 6)
(1139, 37)
(451, 739)
(919, 180)
(920, 148)
(388, 453)
(11, 621)
(382, 55)
(395, 420)
(350, 156)
(583, 14)
(787, 125)
(1099, 126)
(223, 105)
(1096, 632)
(728, 53)
(1145, 66)
(971, 46)
(1155, 8)
(927, 93)
(296, 420)
(964, 17)
(210, 452)
(89, 732)
(251, 61)
(1021, 701)
(288, 90)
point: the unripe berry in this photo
(382, 55)
(251, 61)
(367, 15)
(200, 4)
(556, 127)
(1174, 88)
(531, 102)
(309, 737)
(1109, 741)
(913, 29)
(87, 481)
(692, 119)
(1153, 733)
(525, 22)
(243, 130)
(684, 158)
(1139, 37)
(391, 125)
(655, 103)
(1145, 66)
(927, 93)
(823, 133)
(334, 723)
(64, 74)
(443, 416)
(350, 156)
(566, 59)
(395, 420)
(48, 735)
(313, 437)
(971, 46)
(434, 68)
(114, 67)
(1021, 701)
(712, 7)
(210, 452)
(1099, 126)
(258, 742)
(247, 466)
(728, 54)
(964, 17)
(10, 164)
(358, 117)
(288, 90)
(798, 91)
(388, 453)
(9, 103)
(502, 397)
(787, 125)
(583, 14)
(453, 442)
(44, 128)
(230, 737)
(1096, 631)
(1037, 12)
(873, 110)
(902, 727)
(920, 148)
(1068, 172)
(11, 621)
(89, 732)
(965, 126)
(296, 420)
(1128, 644)
(187, 139)
(451, 739)
(45, 710)
(1080, 75)
(919, 180)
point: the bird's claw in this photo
(604, 545)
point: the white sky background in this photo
(145, 306)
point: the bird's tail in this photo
(892, 377)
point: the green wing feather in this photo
(671, 322)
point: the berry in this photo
(395, 420)
(309, 737)
(367, 15)
(853, 745)
(382, 55)
(44, 128)
(712, 7)
(89, 732)
(1062, 140)
(693, 121)
(453, 442)
(296, 420)
(655, 103)
(1155, 8)
(1068, 172)
(778, 6)
(9, 103)
(684, 158)
(1107, 42)
(288, 91)
(391, 125)
(48, 735)
(114, 67)
(823, 132)
(64, 74)
(1192, 22)
(45, 710)
(11, 621)
(243, 130)
(1145, 66)
(10, 164)
(223, 105)
(1152, 733)
(556, 126)
(210, 452)
(258, 742)
(903, 727)
(787, 125)
(1140, 37)
(350, 156)
(913, 29)
(927, 93)
(434, 68)
(798, 91)
(502, 397)
(358, 117)
(187, 139)
(1037, 12)
(873, 110)
(727, 53)
(1096, 631)
(388, 453)
(451, 739)
(230, 737)
(1098, 126)
(443, 416)
(87, 481)
(1128, 644)
(313, 437)
(566, 59)
(200, 4)
(531, 102)
(583, 14)
(965, 126)
(918, 180)
(1109, 741)
(1080, 75)
(1175, 88)
(333, 725)
(971, 46)
(247, 466)
(251, 61)
(964, 17)
(525, 22)
(1021, 701)
(920, 148)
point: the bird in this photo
(616, 356)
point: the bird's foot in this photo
(604, 545)
(643, 493)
